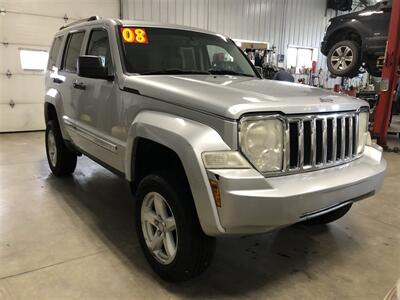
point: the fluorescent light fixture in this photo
(33, 60)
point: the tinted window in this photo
(72, 51)
(180, 51)
(55, 49)
(99, 46)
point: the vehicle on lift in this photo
(209, 148)
(357, 39)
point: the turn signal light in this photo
(215, 191)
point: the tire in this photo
(193, 249)
(61, 160)
(329, 217)
(344, 59)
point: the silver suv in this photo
(209, 147)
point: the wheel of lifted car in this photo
(168, 229)
(344, 59)
(61, 160)
(329, 217)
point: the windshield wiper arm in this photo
(175, 71)
(228, 72)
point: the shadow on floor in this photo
(241, 264)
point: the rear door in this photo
(67, 85)
(377, 20)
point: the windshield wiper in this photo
(228, 72)
(175, 71)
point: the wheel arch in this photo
(184, 140)
(346, 33)
(53, 109)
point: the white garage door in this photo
(27, 27)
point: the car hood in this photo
(233, 96)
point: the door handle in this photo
(57, 80)
(79, 85)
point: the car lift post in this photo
(390, 75)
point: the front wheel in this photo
(344, 59)
(330, 216)
(168, 229)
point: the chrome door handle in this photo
(79, 85)
(57, 80)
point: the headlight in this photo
(363, 119)
(261, 141)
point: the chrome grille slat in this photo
(286, 161)
(318, 141)
(324, 140)
(350, 136)
(334, 139)
(300, 159)
(343, 138)
(356, 137)
(313, 142)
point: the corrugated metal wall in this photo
(280, 22)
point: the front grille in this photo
(318, 141)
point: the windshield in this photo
(169, 51)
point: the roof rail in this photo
(92, 18)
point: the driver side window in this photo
(220, 58)
(99, 46)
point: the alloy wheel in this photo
(52, 147)
(342, 58)
(159, 228)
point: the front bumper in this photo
(252, 203)
(324, 47)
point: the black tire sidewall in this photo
(66, 160)
(355, 64)
(51, 127)
(188, 229)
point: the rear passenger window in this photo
(72, 51)
(55, 49)
(99, 46)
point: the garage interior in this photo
(75, 238)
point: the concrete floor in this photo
(74, 238)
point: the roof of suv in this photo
(95, 20)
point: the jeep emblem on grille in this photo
(326, 99)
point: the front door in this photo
(96, 105)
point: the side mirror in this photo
(92, 67)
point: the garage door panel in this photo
(28, 29)
(32, 24)
(73, 8)
(22, 117)
(22, 88)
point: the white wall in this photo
(280, 22)
(32, 24)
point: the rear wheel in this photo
(168, 229)
(344, 58)
(329, 217)
(61, 160)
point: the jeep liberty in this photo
(209, 147)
